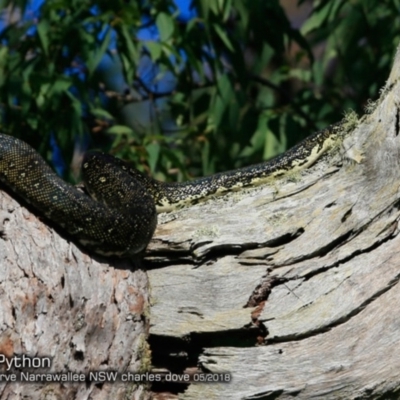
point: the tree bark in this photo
(85, 314)
(291, 287)
(287, 289)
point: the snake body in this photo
(120, 217)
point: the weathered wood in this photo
(310, 260)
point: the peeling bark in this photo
(85, 314)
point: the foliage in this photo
(248, 84)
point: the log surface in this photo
(292, 287)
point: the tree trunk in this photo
(287, 289)
(85, 314)
(291, 287)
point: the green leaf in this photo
(320, 15)
(165, 25)
(101, 113)
(43, 28)
(224, 37)
(263, 58)
(205, 7)
(208, 164)
(32, 121)
(225, 88)
(155, 49)
(60, 86)
(129, 67)
(226, 9)
(131, 52)
(153, 150)
(3, 64)
(120, 130)
(94, 61)
(272, 146)
(42, 95)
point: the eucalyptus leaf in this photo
(165, 25)
(120, 130)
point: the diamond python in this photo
(120, 216)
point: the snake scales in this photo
(121, 215)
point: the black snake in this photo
(121, 215)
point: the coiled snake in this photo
(120, 217)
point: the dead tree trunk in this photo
(292, 287)
(288, 289)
